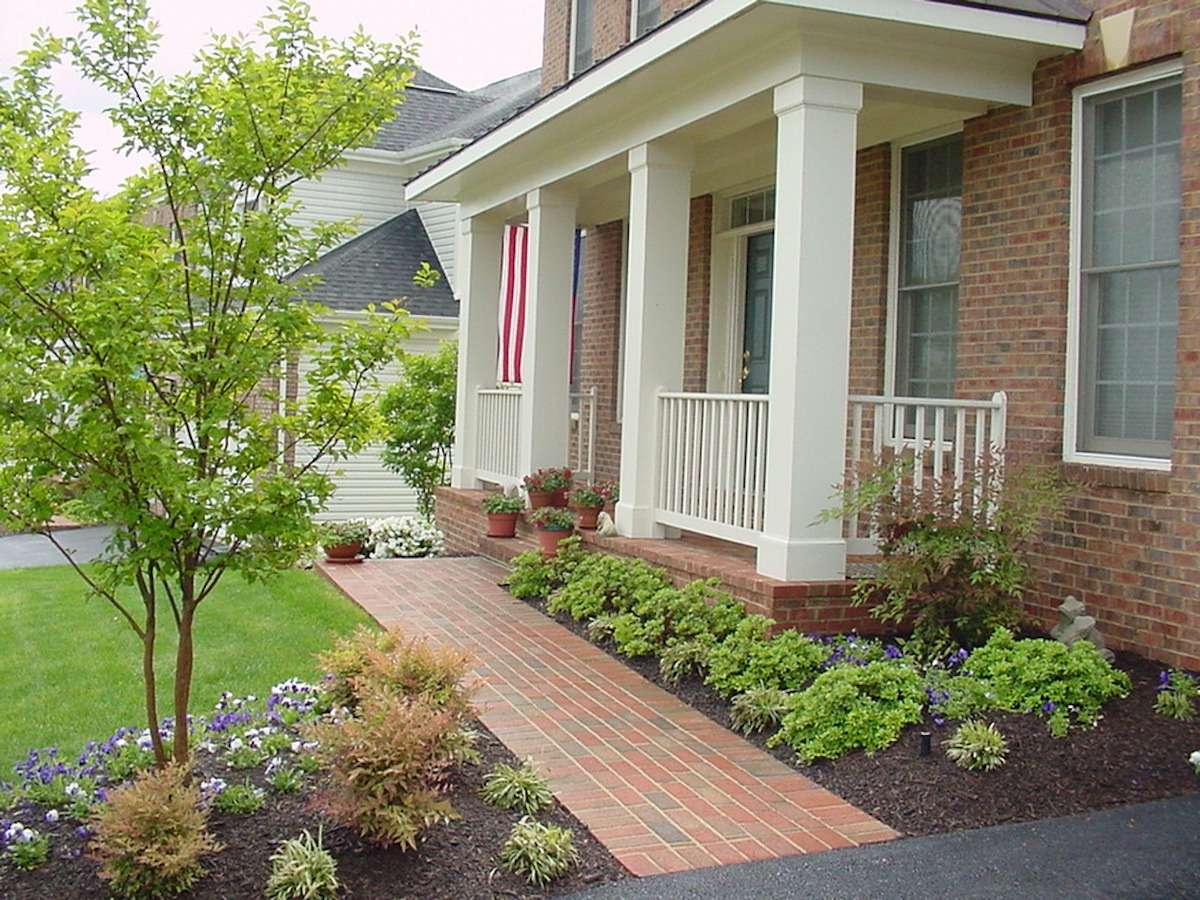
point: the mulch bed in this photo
(1133, 755)
(458, 860)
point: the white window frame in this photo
(571, 73)
(633, 19)
(1071, 453)
(891, 326)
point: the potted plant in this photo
(548, 487)
(502, 513)
(611, 492)
(587, 503)
(343, 541)
(553, 523)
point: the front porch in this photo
(748, 451)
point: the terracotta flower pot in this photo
(502, 525)
(343, 553)
(538, 499)
(559, 498)
(549, 540)
(585, 517)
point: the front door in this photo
(756, 321)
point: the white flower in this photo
(73, 789)
(235, 744)
(295, 746)
(1194, 759)
(52, 816)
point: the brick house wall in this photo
(1129, 543)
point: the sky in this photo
(469, 43)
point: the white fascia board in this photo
(1013, 26)
(1051, 34)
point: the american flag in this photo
(514, 259)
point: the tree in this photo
(141, 335)
(418, 413)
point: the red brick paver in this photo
(660, 785)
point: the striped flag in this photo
(514, 263)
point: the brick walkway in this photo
(660, 785)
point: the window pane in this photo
(648, 13)
(583, 35)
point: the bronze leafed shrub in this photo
(152, 835)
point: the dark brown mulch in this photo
(458, 860)
(1133, 755)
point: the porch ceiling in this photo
(706, 79)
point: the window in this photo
(1127, 284)
(646, 15)
(581, 36)
(578, 311)
(752, 209)
(930, 217)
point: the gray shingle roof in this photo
(1066, 10)
(378, 265)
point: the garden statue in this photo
(1074, 625)
(605, 526)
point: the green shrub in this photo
(685, 658)
(151, 836)
(1067, 685)
(386, 764)
(749, 658)
(302, 869)
(953, 574)
(601, 584)
(519, 788)
(852, 708)
(1178, 693)
(535, 576)
(977, 746)
(409, 667)
(539, 852)
(758, 709)
(698, 611)
(240, 799)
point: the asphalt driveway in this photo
(24, 551)
(1151, 850)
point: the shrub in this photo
(1068, 685)
(152, 835)
(387, 762)
(25, 847)
(682, 659)
(302, 869)
(977, 746)
(534, 576)
(410, 667)
(600, 583)
(240, 799)
(403, 537)
(672, 615)
(539, 852)
(852, 708)
(495, 502)
(1178, 693)
(758, 709)
(955, 575)
(749, 658)
(517, 787)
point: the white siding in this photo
(364, 487)
(441, 224)
(369, 192)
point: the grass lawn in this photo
(70, 667)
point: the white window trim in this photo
(574, 10)
(890, 336)
(1071, 453)
(633, 19)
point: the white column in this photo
(810, 326)
(478, 312)
(659, 197)
(545, 376)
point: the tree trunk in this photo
(148, 680)
(183, 680)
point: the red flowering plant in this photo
(549, 480)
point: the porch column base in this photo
(638, 521)
(795, 560)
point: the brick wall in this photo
(868, 309)
(600, 341)
(695, 326)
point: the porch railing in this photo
(955, 449)
(583, 434)
(712, 463)
(498, 416)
